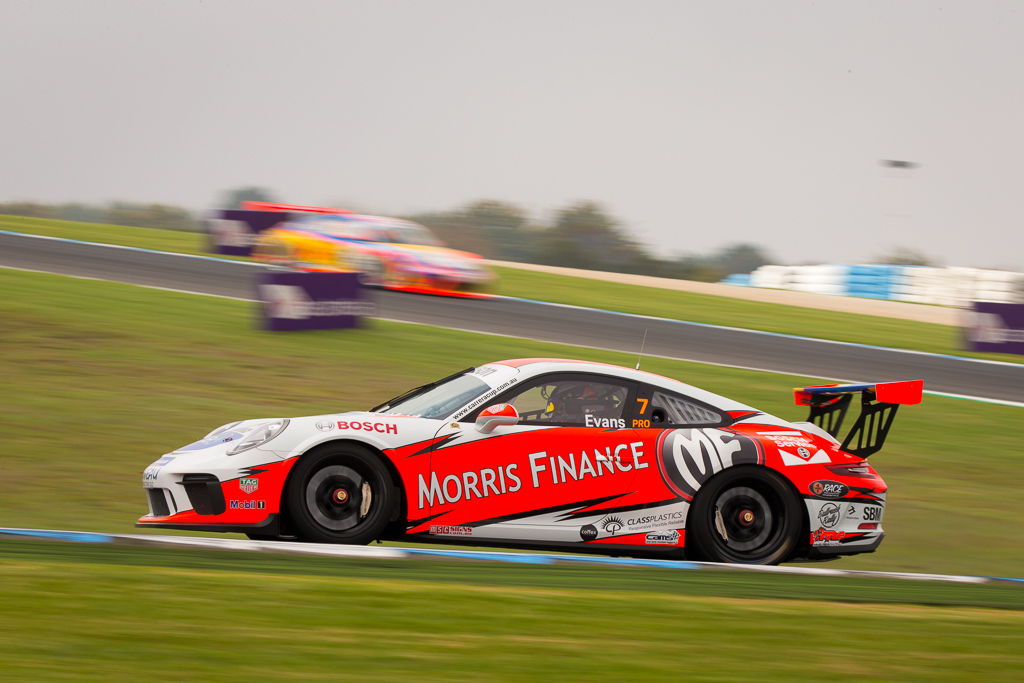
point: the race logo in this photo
(689, 457)
(670, 537)
(828, 489)
(612, 525)
(248, 485)
(828, 516)
(588, 532)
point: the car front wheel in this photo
(340, 494)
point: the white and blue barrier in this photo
(955, 286)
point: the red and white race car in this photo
(549, 453)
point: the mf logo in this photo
(689, 457)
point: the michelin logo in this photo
(289, 302)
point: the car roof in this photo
(531, 367)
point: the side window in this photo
(576, 400)
(660, 408)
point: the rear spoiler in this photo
(274, 206)
(878, 405)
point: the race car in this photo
(392, 253)
(549, 453)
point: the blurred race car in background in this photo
(549, 453)
(392, 253)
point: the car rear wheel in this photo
(747, 515)
(340, 494)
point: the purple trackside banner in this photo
(297, 300)
(233, 232)
(995, 327)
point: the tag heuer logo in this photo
(248, 485)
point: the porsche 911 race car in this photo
(548, 453)
(392, 253)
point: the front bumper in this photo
(215, 494)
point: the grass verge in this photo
(102, 378)
(122, 613)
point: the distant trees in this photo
(232, 199)
(161, 216)
(580, 235)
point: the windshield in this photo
(407, 233)
(437, 401)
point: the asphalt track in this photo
(546, 322)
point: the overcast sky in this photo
(696, 124)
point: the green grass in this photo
(130, 613)
(703, 308)
(101, 378)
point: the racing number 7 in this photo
(643, 404)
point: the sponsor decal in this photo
(689, 457)
(673, 518)
(484, 398)
(483, 371)
(290, 302)
(826, 537)
(612, 525)
(247, 505)
(851, 512)
(545, 470)
(828, 489)
(789, 439)
(588, 532)
(248, 484)
(828, 516)
(448, 530)
(150, 474)
(670, 537)
(605, 422)
(873, 514)
(379, 427)
(325, 425)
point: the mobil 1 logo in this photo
(689, 457)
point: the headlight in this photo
(221, 430)
(258, 435)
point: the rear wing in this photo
(878, 405)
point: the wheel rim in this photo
(338, 497)
(745, 523)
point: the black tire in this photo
(340, 494)
(746, 515)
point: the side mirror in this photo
(499, 415)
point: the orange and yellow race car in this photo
(392, 253)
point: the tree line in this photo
(580, 235)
